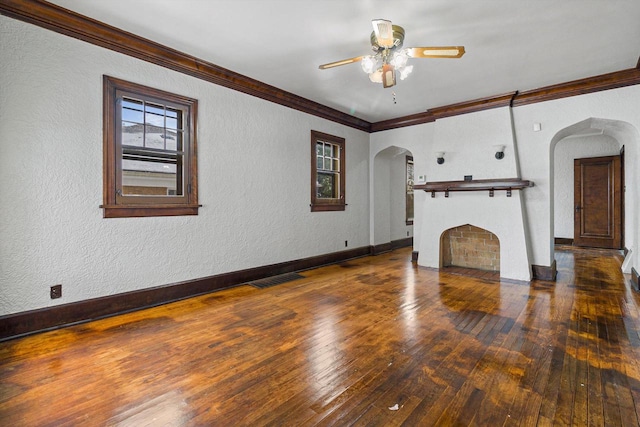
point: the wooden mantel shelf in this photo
(490, 185)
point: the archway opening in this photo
(392, 199)
(593, 137)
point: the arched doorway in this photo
(392, 204)
(593, 138)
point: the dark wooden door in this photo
(598, 202)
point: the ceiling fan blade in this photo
(383, 30)
(436, 52)
(339, 63)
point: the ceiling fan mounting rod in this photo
(386, 54)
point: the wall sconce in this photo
(440, 157)
(499, 151)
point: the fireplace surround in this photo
(494, 205)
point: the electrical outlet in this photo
(56, 291)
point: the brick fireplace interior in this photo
(470, 247)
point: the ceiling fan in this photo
(389, 57)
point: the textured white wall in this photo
(566, 151)
(467, 141)
(253, 167)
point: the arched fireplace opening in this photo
(470, 247)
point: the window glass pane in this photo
(327, 164)
(132, 134)
(319, 162)
(336, 164)
(319, 150)
(327, 150)
(172, 123)
(132, 111)
(172, 118)
(145, 178)
(326, 186)
(154, 137)
(171, 139)
(154, 115)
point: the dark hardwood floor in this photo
(374, 341)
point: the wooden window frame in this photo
(116, 205)
(327, 204)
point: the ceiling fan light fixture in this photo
(376, 76)
(369, 64)
(399, 59)
(404, 73)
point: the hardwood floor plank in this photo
(580, 383)
(622, 375)
(528, 396)
(560, 310)
(343, 345)
(595, 405)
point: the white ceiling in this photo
(510, 44)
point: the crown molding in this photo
(411, 120)
(434, 114)
(497, 101)
(63, 21)
(602, 82)
(584, 86)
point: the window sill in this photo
(328, 207)
(137, 211)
